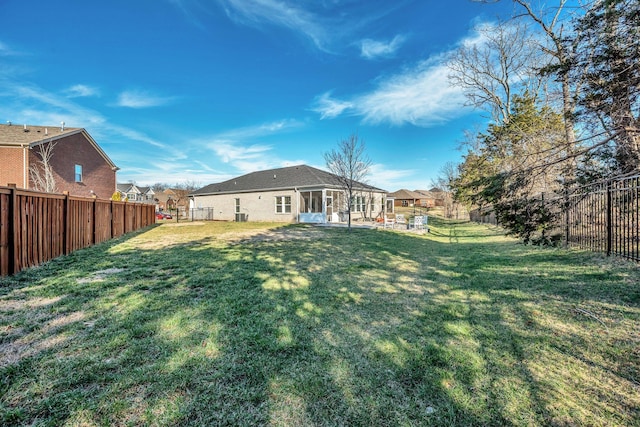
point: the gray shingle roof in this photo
(124, 188)
(301, 176)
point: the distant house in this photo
(166, 199)
(77, 163)
(407, 198)
(437, 195)
(292, 194)
(429, 198)
(135, 193)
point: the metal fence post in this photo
(566, 217)
(609, 217)
(544, 227)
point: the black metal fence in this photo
(483, 215)
(605, 217)
(602, 217)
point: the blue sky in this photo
(204, 90)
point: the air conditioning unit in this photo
(241, 217)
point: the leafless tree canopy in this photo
(350, 163)
(41, 173)
(500, 62)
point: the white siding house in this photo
(292, 194)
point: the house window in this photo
(359, 204)
(283, 204)
(405, 203)
(237, 206)
(78, 173)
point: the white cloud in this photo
(394, 179)
(233, 153)
(80, 90)
(260, 130)
(329, 107)
(34, 105)
(420, 96)
(247, 159)
(328, 24)
(372, 49)
(281, 13)
(141, 99)
(6, 50)
(238, 147)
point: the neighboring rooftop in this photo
(23, 135)
(13, 134)
(405, 194)
(301, 176)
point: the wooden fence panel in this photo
(36, 237)
(129, 218)
(5, 252)
(102, 220)
(37, 227)
(118, 211)
(80, 226)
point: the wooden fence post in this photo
(112, 222)
(14, 264)
(66, 224)
(93, 219)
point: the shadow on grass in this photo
(360, 328)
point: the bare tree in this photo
(350, 164)
(159, 186)
(182, 192)
(500, 63)
(41, 173)
(552, 20)
(445, 181)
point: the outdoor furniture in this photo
(400, 220)
(417, 222)
(389, 221)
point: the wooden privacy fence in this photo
(37, 227)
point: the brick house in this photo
(407, 198)
(78, 164)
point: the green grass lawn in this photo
(256, 324)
